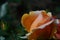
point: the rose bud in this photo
(39, 25)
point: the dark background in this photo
(23, 6)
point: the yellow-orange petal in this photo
(27, 21)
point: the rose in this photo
(39, 24)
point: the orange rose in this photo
(39, 24)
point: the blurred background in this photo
(12, 10)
